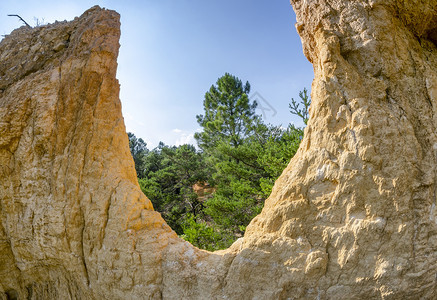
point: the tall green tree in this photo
(246, 154)
(228, 116)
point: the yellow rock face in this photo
(353, 216)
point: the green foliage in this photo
(169, 176)
(247, 156)
(202, 235)
(138, 149)
(244, 175)
(240, 157)
(295, 107)
(275, 151)
(228, 114)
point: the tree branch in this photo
(21, 19)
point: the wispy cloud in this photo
(185, 137)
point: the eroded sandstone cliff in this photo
(70, 209)
(352, 217)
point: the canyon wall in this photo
(352, 217)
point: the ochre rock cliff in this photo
(353, 216)
(74, 223)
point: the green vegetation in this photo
(239, 159)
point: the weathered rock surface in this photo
(352, 217)
(71, 211)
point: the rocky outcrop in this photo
(71, 211)
(360, 194)
(353, 216)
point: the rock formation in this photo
(353, 216)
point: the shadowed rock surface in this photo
(352, 217)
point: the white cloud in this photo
(186, 138)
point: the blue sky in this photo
(173, 51)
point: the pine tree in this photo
(229, 115)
